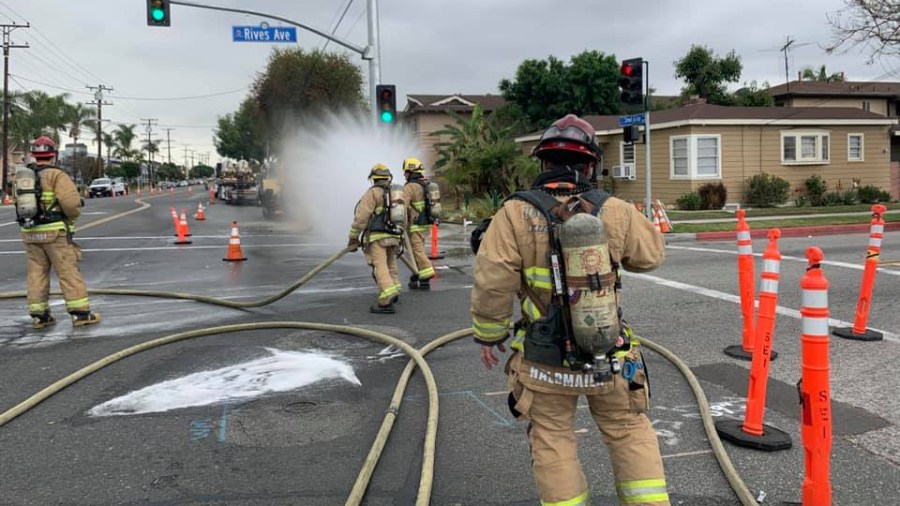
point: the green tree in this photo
(874, 24)
(299, 84)
(477, 158)
(821, 75)
(124, 136)
(169, 171)
(202, 171)
(110, 142)
(705, 74)
(35, 113)
(546, 90)
(752, 95)
(240, 135)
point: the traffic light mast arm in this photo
(349, 45)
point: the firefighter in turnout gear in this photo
(47, 205)
(523, 256)
(379, 237)
(415, 194)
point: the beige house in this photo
(427, 114)
(878, 97)
(699, 143)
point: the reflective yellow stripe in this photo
(48, 227)
(379, 209)
(354, 233)
(530, 310)
(539, 277)
(489, 330)
(38, 307)
(77, 303)
(426, 273)
(419, 205)
(581, 500)
(382, 235)
(419, 228)
(642, 491)
(389, 292)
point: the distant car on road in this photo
(101, 187)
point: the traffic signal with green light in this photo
(387, 102)
(158, 13)
(631, 81)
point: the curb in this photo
(857, 228)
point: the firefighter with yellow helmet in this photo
(421, 214)
(47, 205)
(378, 223)
(557, 249)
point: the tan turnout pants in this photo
(423, 264)
(63, 256)
(618, 412)
(381, 255)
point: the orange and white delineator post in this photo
(752, 433)
(746, 265)
(858, 331)
(435, 253)
(815, 389)
(234, 245)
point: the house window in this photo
(866, 105)
(799, 148)
(626, 153)
(695, 156)
(854, 147)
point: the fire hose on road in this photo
(417, 359)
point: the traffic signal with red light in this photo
(386, 95)
(631, 81)
(158, 13)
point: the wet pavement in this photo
(303, 443)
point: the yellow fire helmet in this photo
(380, 172)
(413, 165)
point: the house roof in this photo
(707, 114)
(457, 102)
(840, 89)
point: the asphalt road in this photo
(243, 437)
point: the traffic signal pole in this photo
(648, 205)
(371, 52)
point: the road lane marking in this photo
(686, 454)
(167, 237)
(846, 265)
(8, 224)
(715, 294)
(182, 248)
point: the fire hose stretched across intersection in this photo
(417, 357)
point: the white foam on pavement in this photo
(281, 371)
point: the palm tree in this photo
(78, 116)
(810, 74)
(34, 113)
(109, 140)
(124, 137)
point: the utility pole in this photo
(169, 142)
(784, 49)
(7, 45)
(99, 102)
(150, 172)
(186, 146)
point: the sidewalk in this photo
(783, 217)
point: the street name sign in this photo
(263, 34)
(634, 119)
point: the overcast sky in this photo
(428, 46)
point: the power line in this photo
(347, 8)
(48, 85)
(190, 97)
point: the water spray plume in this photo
(327, 165)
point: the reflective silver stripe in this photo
(815, 299)
(769, 285)
(745, 250)
(772, 266)
(875, 241)
(877, 229)
(815, 326)
(743, 236)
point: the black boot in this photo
(83, 318)
(425, 284)
(414, 282)
(379, 309)
(39, 321)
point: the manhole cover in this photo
(300, 407)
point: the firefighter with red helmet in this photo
(47, 205)
(557, 249)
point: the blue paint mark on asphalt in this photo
(223, 423)
(500, 419)
(200, 429)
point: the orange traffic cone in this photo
(234, 246)
(183, 224)
(182, 230)
(656, 223)
(190, 190)
(172, 191)
(199, 216)
(6, 200)
(663, 223)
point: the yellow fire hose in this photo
(417, 359)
